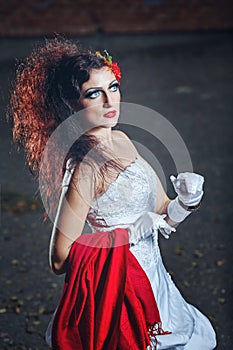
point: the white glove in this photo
(146, 224)
(189, 187)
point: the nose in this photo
(107, 101)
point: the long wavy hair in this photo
(46, 83)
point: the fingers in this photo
(178, 183)
(172, 178)
(164, 233)
(163, 224)
(158, 223)
(169, 228)
(200, 183)
(188, 182)
(194, 183)
(166, 225)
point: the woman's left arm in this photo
(162, 199)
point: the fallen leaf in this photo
(198, 254)
(186, 284)
(221, 300)
(194, 264)
(15, 262)
(41, 310)
(178, 250)
(3, 310)
(220, 263)
(17, 310)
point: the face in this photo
(100, 96)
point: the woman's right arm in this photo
(70, 219)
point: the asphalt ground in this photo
(187, 78)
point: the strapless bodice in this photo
(129, 196)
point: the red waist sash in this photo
(107, 301)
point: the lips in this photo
(111, 114)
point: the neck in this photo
(102, 134)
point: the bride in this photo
(107, 184)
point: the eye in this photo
(92, 94)
(114, 87)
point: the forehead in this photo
(99, 78)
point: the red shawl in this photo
(107, 301)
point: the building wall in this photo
(36, 17)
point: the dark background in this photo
(176, 58)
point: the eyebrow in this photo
(98, 87)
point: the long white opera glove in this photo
(144, 226)
(189, 187)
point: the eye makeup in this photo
(93, 93)
(115, 86)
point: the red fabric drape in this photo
(107, 300)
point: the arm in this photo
(162, 199)
(162, 202)
(70, 219)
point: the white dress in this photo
(128, 197)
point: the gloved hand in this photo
(189, 187)
(144, 226)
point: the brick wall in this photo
(36, 17)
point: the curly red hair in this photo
(45, 83)
(34, 120)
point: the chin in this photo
(110, 124)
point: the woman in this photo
(106, 182)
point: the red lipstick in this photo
(111, 114)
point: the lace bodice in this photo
(128, 197)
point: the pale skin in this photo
(99, 95)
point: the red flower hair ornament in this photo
(112, 65)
